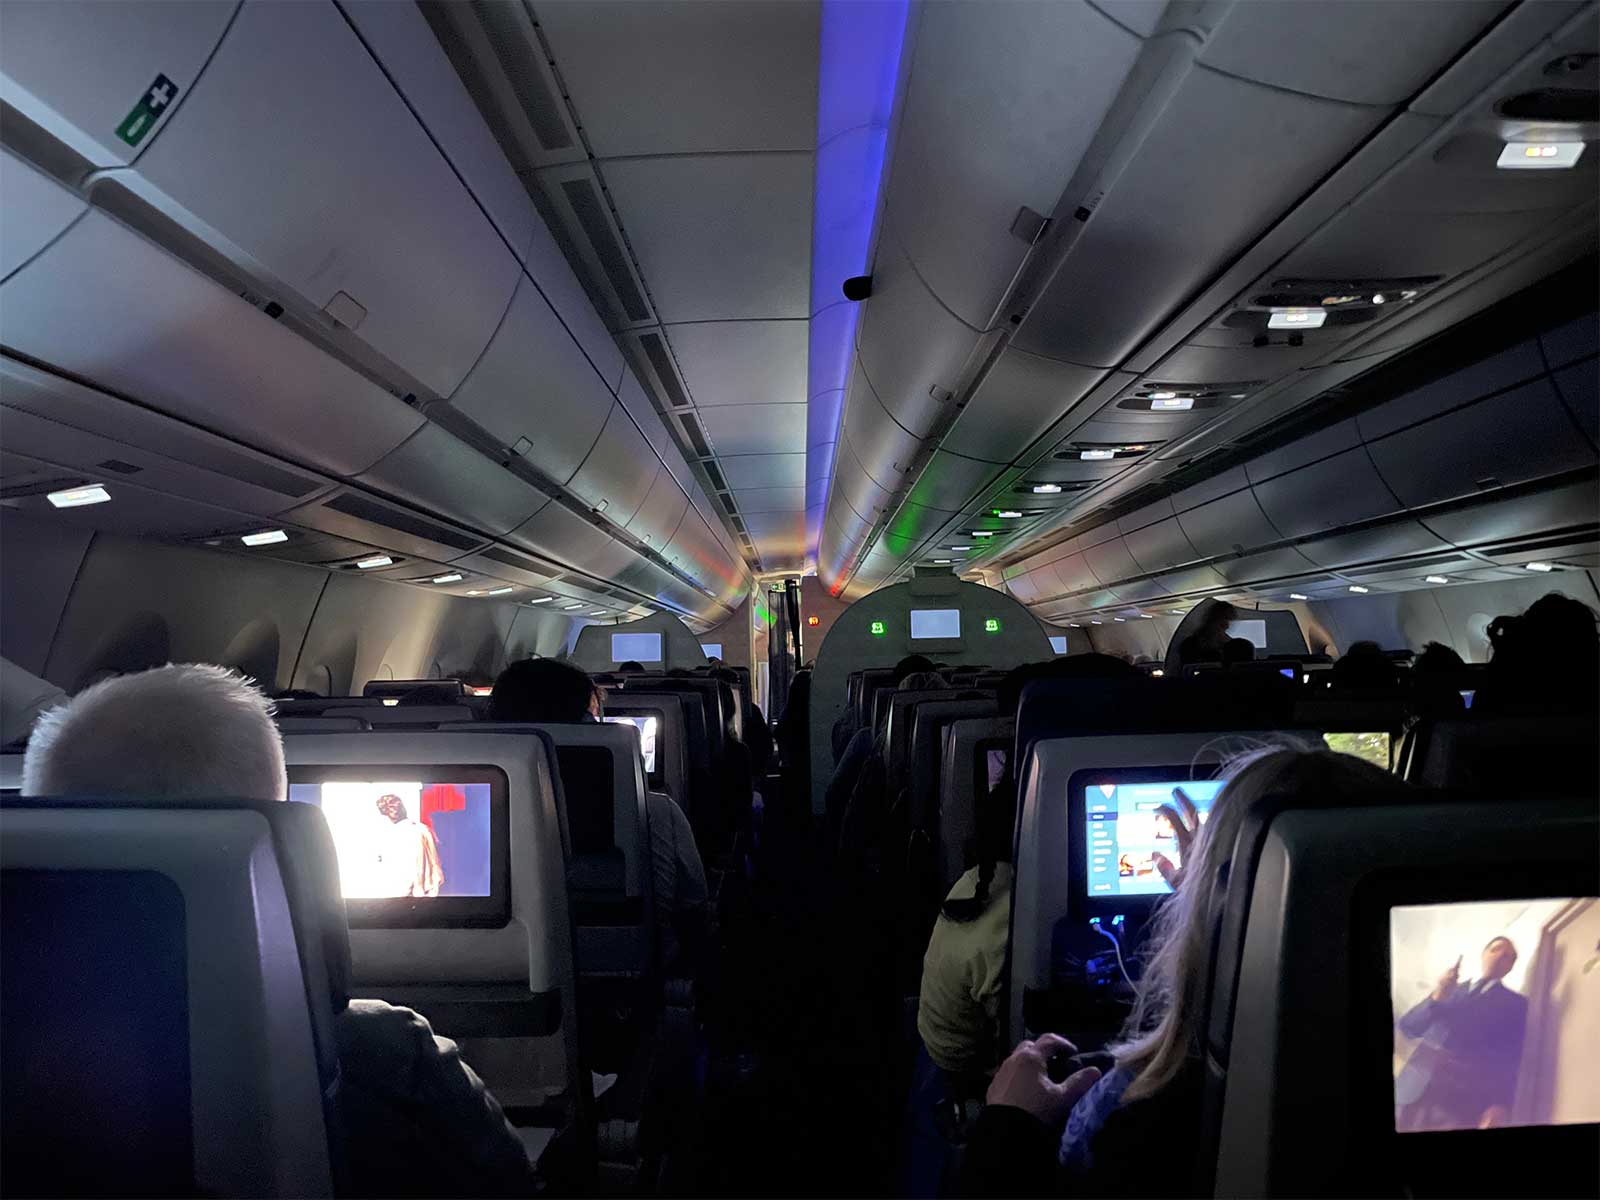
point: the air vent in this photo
(739, 527)
(380, 514)
(40, 487)
(714, 473)
(1419, 565)
(1575, 535)
(590, 212)
(511, 558)
(728, 504)
(516, 54)
(660, 362)
(1104, 451)
(1334, 294)
(697, 439)
(1570, 105)
(120, 467)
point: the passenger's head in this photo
(922, 681)
(181, 732)
(1549, 656)
(1238, 650)
(1436, 659)
(1499, 956)
(630, 668)
(1217, 618)
(597, 700)
(1363, 667)
(542, 690)
(1163, 1032)
(911, 664)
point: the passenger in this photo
(547, 691)
(631, 668)
(1436, 675)
(1363, 668)
(863, 824)
(1236, 651)
(1546, 659)
(1097, 1135)
(1205, 644)
(417, 1120)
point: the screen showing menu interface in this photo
(1124, 831)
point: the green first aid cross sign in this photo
(155, 101)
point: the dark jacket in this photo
(1145, 1148)
(1469, 1053)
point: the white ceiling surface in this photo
(701, 115)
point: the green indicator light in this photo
(991, 626)
(877, 629)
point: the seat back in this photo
(1336, 921)
(415, 715)
(928, 722)
(482, 982)
(670, 770)
(415, 691)
(1562, 751)
(169, 979)
(963, 778)
(10, 773)
(322, 724)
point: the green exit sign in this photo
(878, 629)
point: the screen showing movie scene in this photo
(1496, 1013)
(1373, 747)
(1128, 836)
(406, 838)
(647, 738)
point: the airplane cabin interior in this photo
(911, 598)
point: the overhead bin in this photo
(361, 517)
(611, 479)
(439, 473)
(387, 243)
(37, 208)
(103, 78)
(661, 511)
(558, 533)
(1022, 396)
(166, 336)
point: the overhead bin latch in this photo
(1029, 226)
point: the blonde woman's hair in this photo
(1163, 1031)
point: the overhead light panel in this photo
(1163, 395)
(1096, 455)
(79, 496)
(500, 591)
(1120, 620)
(960, 547)
(267, 537)
(1096, 622)
(1046, 489)
(1539, 156)
(1073, 625)
(1359, 590)
(1297, 318)
(1007, 514)
(1538, 566)
(943, 562)
(570, 607)
(1159, 403)
(983, 533)
(1298, 596)
(1146, 617)
(1436, 579)
(453, 577)
(541, 600)
(377, 560)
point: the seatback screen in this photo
(934, 623)
(1124, 831)
(710, 649)
(419, 845)
(647, 737)
(1373, 747)
(1496, 1013)
(636, 647)
(1252, 631)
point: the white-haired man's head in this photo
(183, 730)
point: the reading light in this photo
(1146, 617)
(1046, 489)
(1539, 156)
(377, 560)
(1297, 318)
(1298, 596)
(983, 533)
(541, 600)
(959, 547)
(1120, 620)
(1238, 396)
(943, 562)
(1163, 395)
(267, 537)
(1094, 622)
(1158, 673)
(392, 703)
(1358, 589)
(500, 591)
(1171, 404)
(1095, 455)
(1538, 566)
(1436, 579)
(1007, 514)
(453, 577)
(79, 496)
(1073, 625)
(1378, 297)
(570, 607)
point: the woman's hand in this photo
(1185, 821)
(1023, 1080)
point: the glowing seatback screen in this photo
(636, 647)
(929, 624)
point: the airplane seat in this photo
(212, 1068)
(321, 724)
(1503, 753)
(964, 776)
(1335, 920)
(415, 691)
(412, 715)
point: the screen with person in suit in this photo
(1496, 1007)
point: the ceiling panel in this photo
(755, 428)
(742, 362)
(725, 237)
(772, 499)
(764, 470)
(688, 76)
